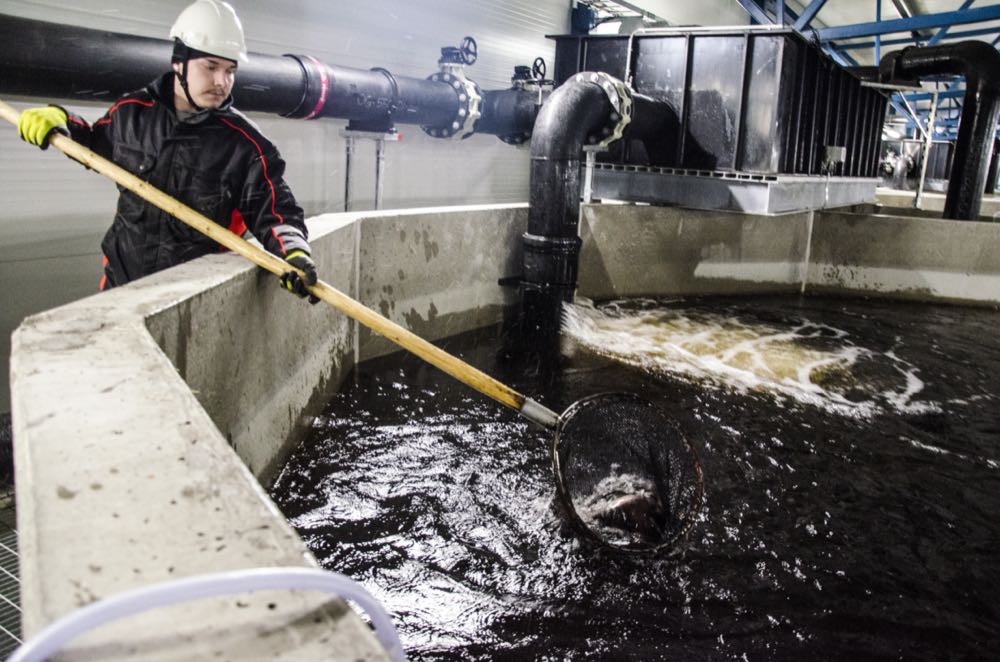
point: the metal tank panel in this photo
(765, 102)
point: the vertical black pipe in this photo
(574, 112)
(991, 174)
(979, 62)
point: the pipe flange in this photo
(470, 100)
(620, 96)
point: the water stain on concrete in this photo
(431, 248)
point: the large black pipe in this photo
(573, 112)
(979, 62)
(576, 112)
(55, 61)
(509, 114)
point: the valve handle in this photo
(538, 68)
(469, 50)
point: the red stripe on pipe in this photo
(324, 88)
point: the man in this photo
(182, 134)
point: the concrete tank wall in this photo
(142, 415)
(631, 250)
(919, 259)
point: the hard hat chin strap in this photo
(182, 77)
(183, 54)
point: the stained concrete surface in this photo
(141, 416)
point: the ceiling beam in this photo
(943, 31)
(940, 20)
(808, 14)
(755, 11)
(927, 96)
(909, 40)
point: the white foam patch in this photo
(813, 363)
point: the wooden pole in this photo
(406, 339)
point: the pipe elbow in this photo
(571, 113)
(978, 61)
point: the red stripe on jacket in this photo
(107, 120)
(263, 162)
(104, 277)
(237, 225)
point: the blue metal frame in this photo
(923, 22)
(944, 30)
(809, 14)
(858, 45)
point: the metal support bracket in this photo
(380, 138)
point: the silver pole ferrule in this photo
(537, 413)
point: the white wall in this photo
(702, 12)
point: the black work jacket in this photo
(215, 161)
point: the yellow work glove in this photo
(293, 282)
(35, 124)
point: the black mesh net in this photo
(627, 476)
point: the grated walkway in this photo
(10, 581)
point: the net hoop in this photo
(693, 505)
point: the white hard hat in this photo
(211, 26)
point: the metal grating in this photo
(10, 581)
(620, 8)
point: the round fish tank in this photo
(851, 467)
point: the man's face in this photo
(210, 80)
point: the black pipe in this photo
(979, 62)
(576, 114)
(509, 114)
(327, 90)
(575, 111)
(991, 174)
(55, 61)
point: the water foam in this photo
(813, 363)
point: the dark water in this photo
(827, 531)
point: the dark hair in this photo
(183, 52)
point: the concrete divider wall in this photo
(933, 201)
(255, 357)
(643, 250)
(137, 413)
(633, 250)
(903, 257)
